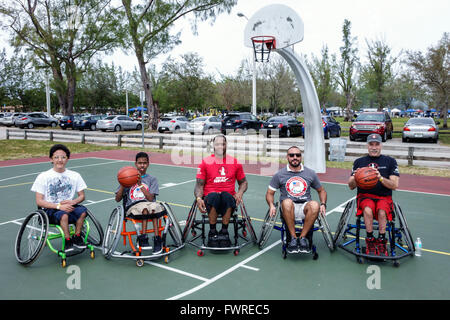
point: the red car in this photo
(371, 122)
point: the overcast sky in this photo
(403, 24)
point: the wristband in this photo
(324, 204)
(58, 206)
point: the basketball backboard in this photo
(275, 20)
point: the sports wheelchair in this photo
(269, 224)
(117, 228)
(399, 236)
(243, 223)
(36, 231)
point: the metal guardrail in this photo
(253, 145)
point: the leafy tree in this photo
(432, 70)
(148, 32)
(61, 36)
(323, 74)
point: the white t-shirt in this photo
(57, 187)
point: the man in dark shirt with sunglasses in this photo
(295, 182)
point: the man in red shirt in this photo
(215, 190)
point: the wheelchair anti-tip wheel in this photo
(267, 227)
(31, 238)
(112, 232)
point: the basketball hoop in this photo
(262, 45)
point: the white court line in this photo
(177, 271)
(250, 268)
(339, 208)
(223, 274)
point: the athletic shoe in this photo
(371, 248)
(78, 242)
(303, 245)
(213, 239)
(157, 245)
(68, 245)
(381, 247)
(142, 242)
(293, 246)
(224, 239)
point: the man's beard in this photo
(295, 165)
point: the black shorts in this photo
(221, 201)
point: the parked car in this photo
(371, 122)
(331, 127)
(118, 123)
(87, 122)
(285, 126)
(420, 128)
(172, 124)
(240, 121)
(9, 120)
(202, 125)
(36, 119)
(67, 121)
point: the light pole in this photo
(241, 15)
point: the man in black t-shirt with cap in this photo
(376, 203)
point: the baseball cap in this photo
(374, 137)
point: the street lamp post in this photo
(241, 15)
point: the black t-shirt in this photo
(387, 167)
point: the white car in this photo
(172, 124)
(118, 123)
(202, 125)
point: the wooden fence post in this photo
(161, 142)
(119, 140)
(410, 156)
(50, 135)
(83, 138)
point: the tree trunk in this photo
(152, 109)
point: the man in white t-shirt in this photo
(55, 191)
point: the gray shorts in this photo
(299, 210)
(154, 208)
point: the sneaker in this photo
(157, 247)
(303, 245)
(381, 247)
(293, 246)
(68, 245)
(371, 248)
(213, 239)
(142, 242)
(224, 239)
(78, 242)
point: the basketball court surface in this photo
(252, 274)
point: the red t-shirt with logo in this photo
(220, 174)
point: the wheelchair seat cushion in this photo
(375, 203)
(155, 210)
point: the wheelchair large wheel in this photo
(112, 232)
(95, 234)
(325, 228)
(31, 237)
(343, 221)
(267, 227)
(174, 226)
(189, 221)
(404, 227)
(248, 223)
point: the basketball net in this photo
(263, 45)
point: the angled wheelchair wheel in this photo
(174, 227)
(248, 223)
(343, 221)
(189, 221)
(31, 238)
(325, 228)
(112, 232)
(95, 232)
(267, 227)
(404, 228)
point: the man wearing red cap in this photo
(376, 203)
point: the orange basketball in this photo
(366, 178)
(128, 176)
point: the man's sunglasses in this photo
(298, 155)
